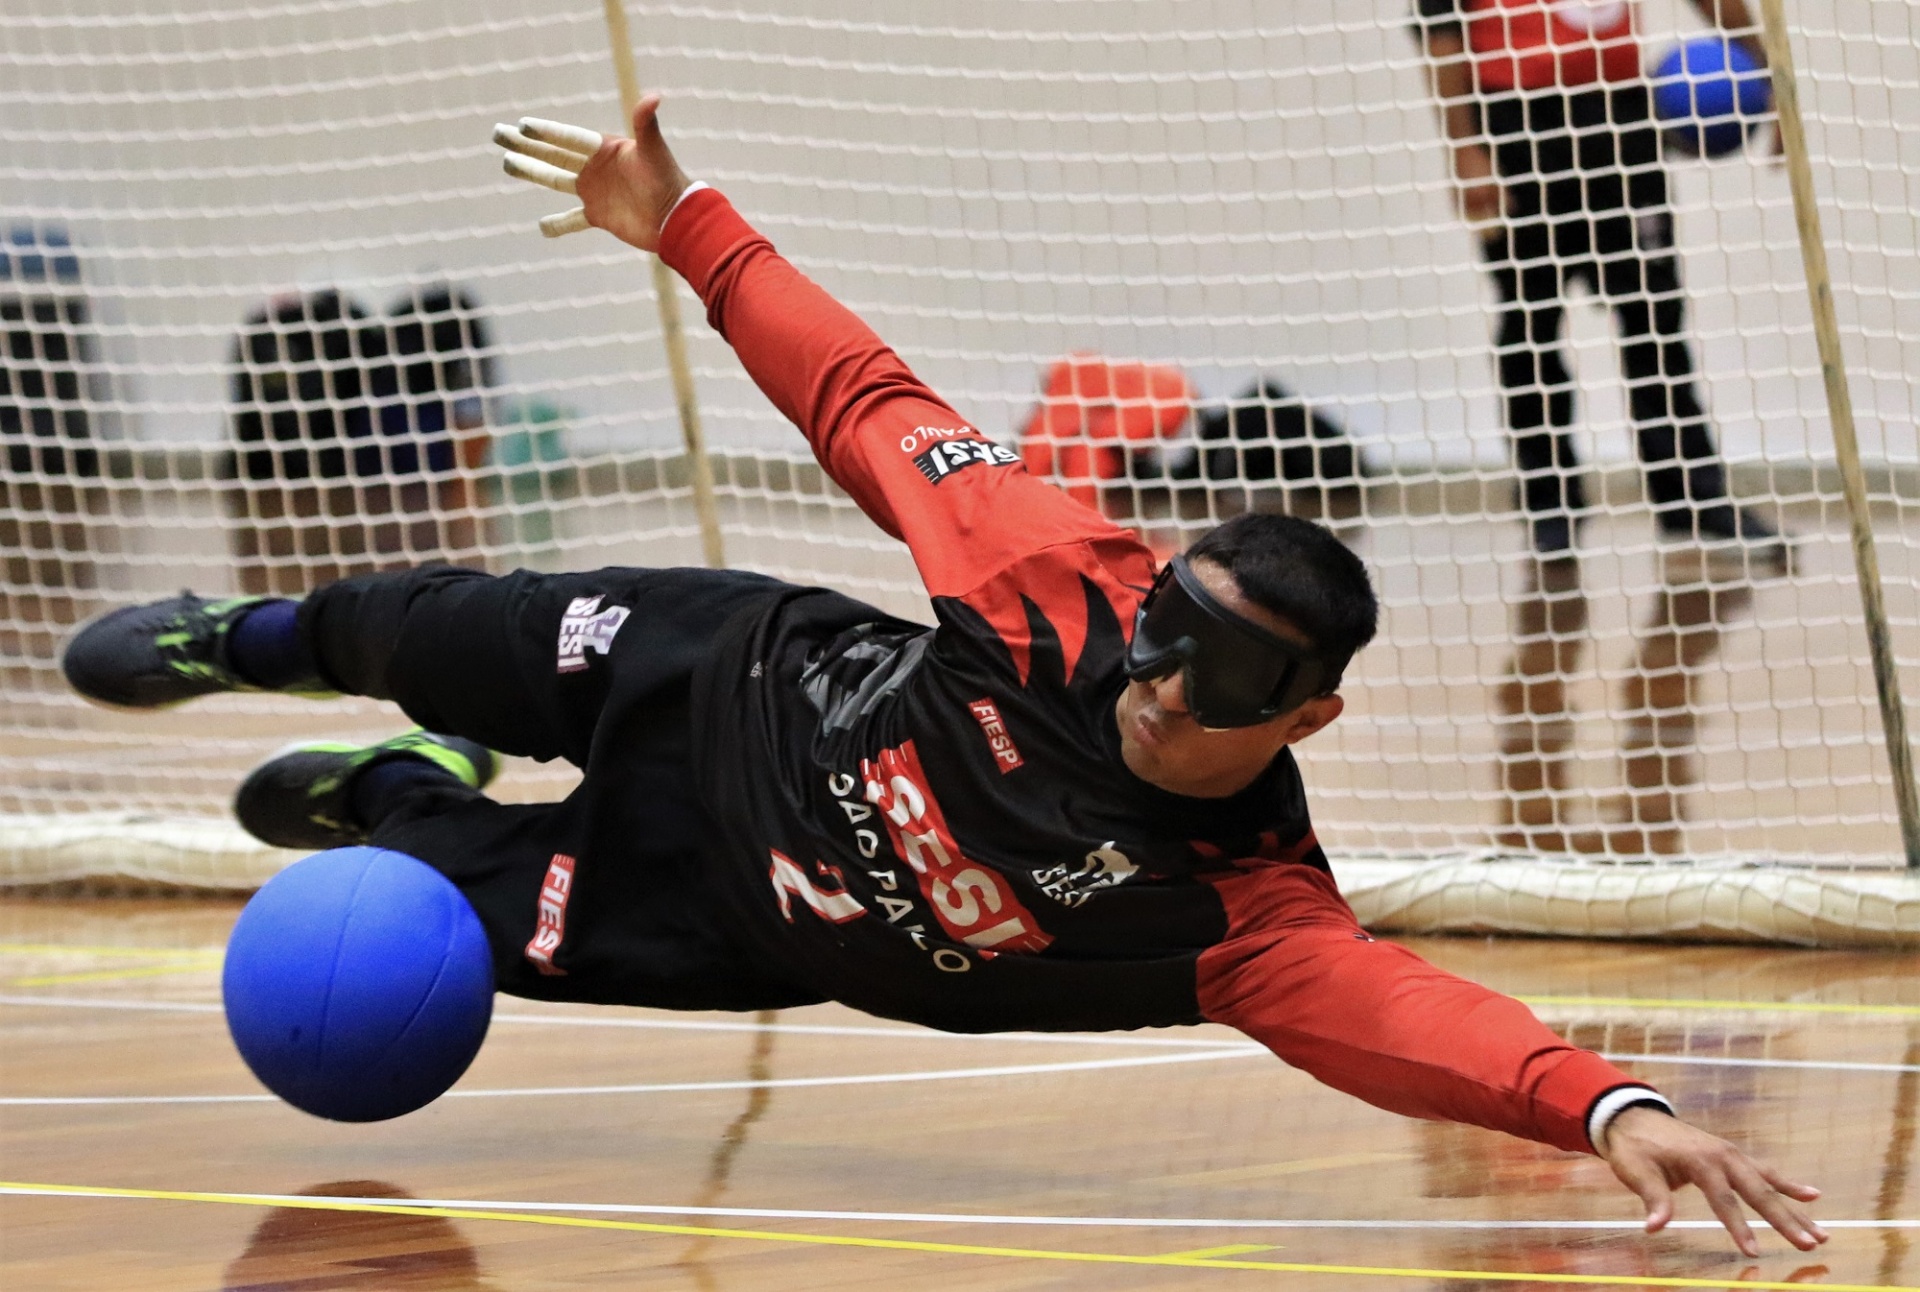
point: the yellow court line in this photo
(109, 975)
(1753, 1006)
(1175, 1260)
(72, 949)
(1231, 1249)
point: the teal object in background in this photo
(531, 471)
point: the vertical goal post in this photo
(1846, 444)
(673, 337)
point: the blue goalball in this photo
(358, 984)
(1710, 94)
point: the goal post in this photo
(269, 314)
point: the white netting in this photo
(1223, 188)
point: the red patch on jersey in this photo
(551, 924)
(1118, 567)
(1006, 754)
(973, 903)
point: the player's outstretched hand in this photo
(1653, 1154)
(626, 186)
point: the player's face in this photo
(1163, 745)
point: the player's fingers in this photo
(1804, 1192)
(578, 138)
(537, 172)
(1725, 1202)
(510, 138)
(559, 226)
(1762, 1188)
(646, 114)
(1646, 1180)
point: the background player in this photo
(1557, 158)
(358, 440)
(1027, 818)
(53, 384)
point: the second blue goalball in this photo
(358, 984)
(1710, 94)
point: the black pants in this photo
(518, 664)
(1587, 201)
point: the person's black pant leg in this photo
(1639, 275)
(1536, 387)
(607, 896)
(518, 662)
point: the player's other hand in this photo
(1653, 1154)
(629, 186)
(626, 186)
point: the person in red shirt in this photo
(1070, 805)
(1558, 164)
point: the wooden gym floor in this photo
(821, 1149)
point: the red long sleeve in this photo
(1298, 974)
(980, 528)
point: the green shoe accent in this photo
(163, 653)
(302, 797)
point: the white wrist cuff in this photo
(1613, 1103)
(685, 193)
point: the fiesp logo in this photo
(1006, 754)
(551, 924)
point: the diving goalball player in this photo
(1069, 806)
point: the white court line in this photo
(674, 1087)
(961, 1217)
(687, 1025)
(1203, 1048)
(887, 1078)
(1717, 1061)
(93, 1002)
(897, 1033)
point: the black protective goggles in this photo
(1236, 673)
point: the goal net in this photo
(272, 315)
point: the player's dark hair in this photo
(1299, 571)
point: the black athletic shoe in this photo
(302, 797)
(1733, 542)
(160, 654)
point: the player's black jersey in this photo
(914, 802)
(937, 823)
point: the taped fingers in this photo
(510, 138)
(550, 154)
(559, 226)
(576, 138)
(538, 172)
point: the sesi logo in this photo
(950, 456)
(550, 925)
(1071, 885)
(587, 627)
(972, 902)
(999, 740)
